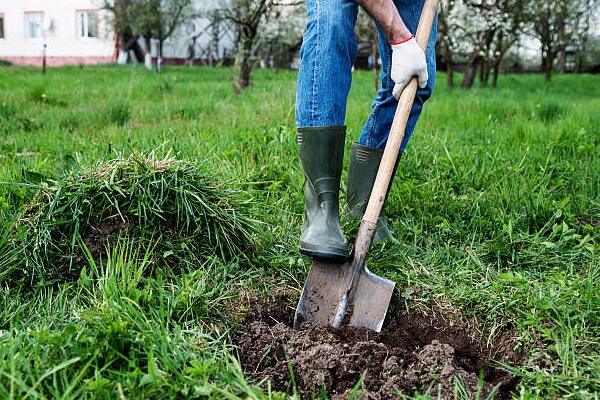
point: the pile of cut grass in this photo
(174, 206)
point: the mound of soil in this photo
(177, 208)
(416, 352)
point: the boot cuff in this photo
(365, 154)
(338, 132)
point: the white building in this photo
(73, 32)
(203, 37)
(76, 32)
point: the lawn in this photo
(496, 206)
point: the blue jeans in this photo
(325, 74)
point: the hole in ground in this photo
(416, 352)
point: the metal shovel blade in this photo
(331, 297)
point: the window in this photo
(87, 24)
(1, 26)
(33, 25)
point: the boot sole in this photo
(331, 254)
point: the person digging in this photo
(324, 78)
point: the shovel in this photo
(337, 294)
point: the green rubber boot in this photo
(322, 155)
(364, 164)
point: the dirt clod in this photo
(414, 353)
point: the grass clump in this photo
(9, 117)
(172, 205)
(39, 94)
(7, 111)
(550, 112)
(118, 113)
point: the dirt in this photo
(591, 220)
(422, 352)
(100, 233)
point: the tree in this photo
(280, 39)
(249, 15)
(483, 31)
(558, 24)
(366, 33)
(584, 47)
(209, 24)
(478, 29)
(446, 42)
(158, 19)
(123, 15)
(148, 19)
(509, 27)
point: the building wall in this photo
(177, 47)
(60, 33)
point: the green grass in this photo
(496, 204)
(169, 205)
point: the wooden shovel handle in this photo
(392, 148)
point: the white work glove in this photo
(408, 60)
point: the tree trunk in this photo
(449, 62)
(243, 62)
(485, 60)
(148, 53)
(445, 40)
(579, 66)
(214, 45)
(129, 43)
(123, 51)
(496, 72)
(500, 52)
(471, 71)
(562, 61)
(497, 63)
(547, 62)
(137, 51)
(484, 74)
(159, 59)
(548, 71)
(478, 61)
(584, 43)
(191, 56)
